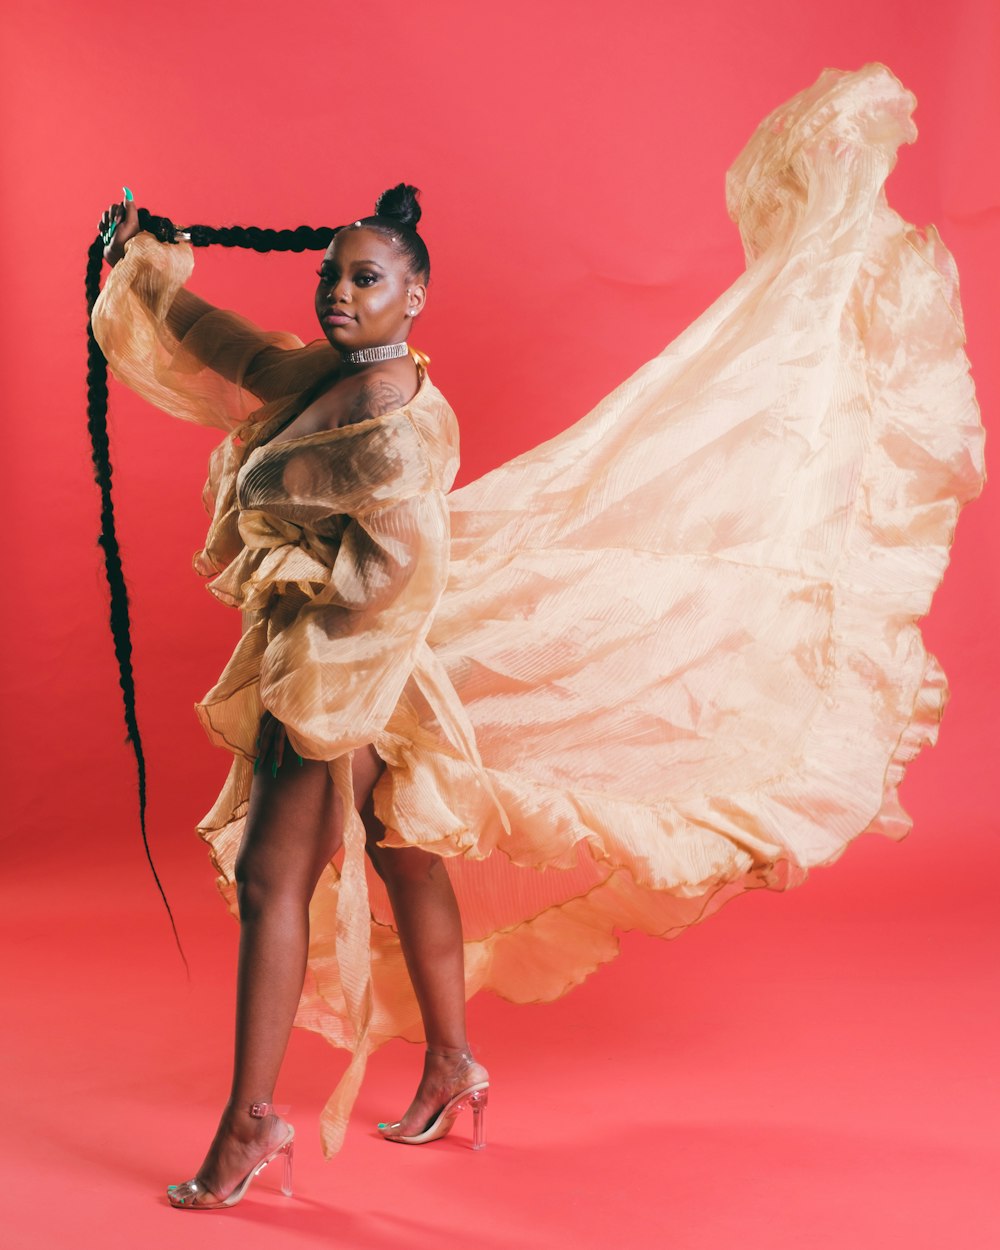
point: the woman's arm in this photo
(195, 361)
(119, 225)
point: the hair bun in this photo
(399, 203)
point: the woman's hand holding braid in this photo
(118, 224)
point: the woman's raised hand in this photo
(119, 223)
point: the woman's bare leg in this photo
(430, 933)
(294, 828)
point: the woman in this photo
(665, 658)
(372, 284)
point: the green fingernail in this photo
(274, 769)
(129, 197)
(383, 1126)
(300, 759)
(256, 763)
(111, 231)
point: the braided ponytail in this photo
(299, 240)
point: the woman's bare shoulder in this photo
(358, 397)
(375, 395)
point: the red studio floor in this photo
(810, 1069)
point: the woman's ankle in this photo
(248, 1119)
(449, 1052)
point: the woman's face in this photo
(365, 296)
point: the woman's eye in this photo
(329, 278)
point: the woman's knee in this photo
(255, 882)
(267, 879)
(292, 832)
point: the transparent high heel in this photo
(475, 1095)
(194, 1196)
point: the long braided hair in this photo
(396, 212)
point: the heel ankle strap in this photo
(260, 1109)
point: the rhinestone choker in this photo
(366, 355)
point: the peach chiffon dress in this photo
(666, 657)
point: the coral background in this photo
(816, 1067)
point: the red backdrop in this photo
(571, 158)
(571, 163)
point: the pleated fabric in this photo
(666, 657)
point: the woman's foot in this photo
(241, 1142)
(447, 1075)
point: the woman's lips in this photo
(336, 318)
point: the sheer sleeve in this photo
(182, 354)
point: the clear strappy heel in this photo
(474, 1095)
(195, 1196)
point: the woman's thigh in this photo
(295, 823)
